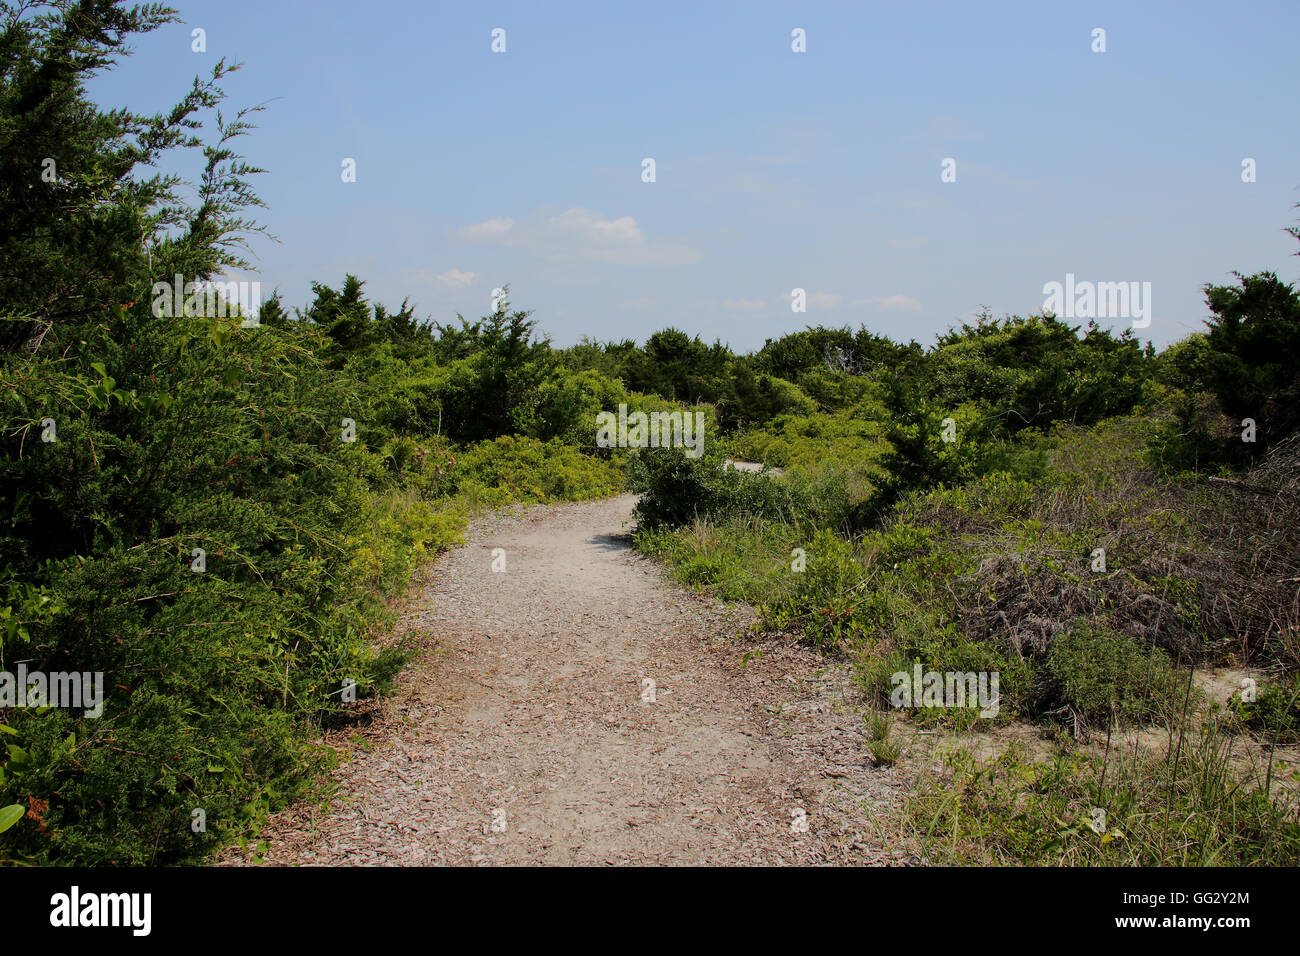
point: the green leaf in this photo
(10, 815)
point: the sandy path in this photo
(528, 733)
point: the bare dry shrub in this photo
(1207, 569)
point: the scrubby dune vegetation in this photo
(218, 516)
(1096, 523)
(134, 434)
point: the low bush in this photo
(1274, 714)
(1107, 678)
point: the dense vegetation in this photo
(312, 460)
(216, 516)
(1088, 519)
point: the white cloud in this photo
(579, 234)
(824, 300)
(584, 225)
(455, 278)
(489, 229)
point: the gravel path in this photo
(530, 731)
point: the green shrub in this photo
(676, 488)
(742, 559)
(1253, 360)
(1108, 677)
(527, 470)
(822, 602)
(1274, 714)
(568, 403)
(922, 639)
(809, 444)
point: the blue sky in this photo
(775, 170)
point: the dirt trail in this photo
(528, 734)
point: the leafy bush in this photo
(1105, 677)
(568, 403)
(675, 488)
(186, 511)
(524, 469)
(1253, 361)
(1274, 714)
(822, 602)
(741, 560)
(760, 398)
(812, 444)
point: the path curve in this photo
(528, 733)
